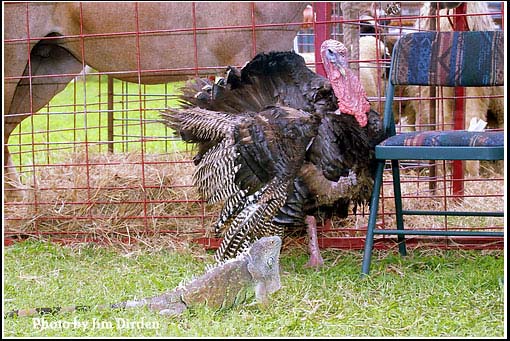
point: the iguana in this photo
(221, 286)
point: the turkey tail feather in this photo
(253, 220)
(267, 80)
(197, 124)
(214, 176)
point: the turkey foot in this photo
(315, 260)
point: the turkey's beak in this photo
(341, 69)
(340, 63)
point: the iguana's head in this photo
(264, 265)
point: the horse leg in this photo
(47, 58)
(13, 190)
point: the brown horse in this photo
(48, 44)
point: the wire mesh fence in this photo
(96, 164)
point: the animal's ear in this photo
(308, 17)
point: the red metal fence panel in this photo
(95, 164)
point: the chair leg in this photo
(374, 205)
(398, 206)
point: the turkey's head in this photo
(352, 98)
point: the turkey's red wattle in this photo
(352, 98)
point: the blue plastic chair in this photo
(471, 58)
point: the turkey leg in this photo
(315, 260)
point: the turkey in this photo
(279, 145)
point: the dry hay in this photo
(106, 197)
(109, 196)
(480, 194)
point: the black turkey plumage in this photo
(251, 166)
(278, 143)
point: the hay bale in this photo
(112, 196)
(124, 197)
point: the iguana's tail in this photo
(58, 310)
(169, 303)
(68, 309)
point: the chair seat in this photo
(451, 59)
(439, 153)
(443, 145)
(448, 138)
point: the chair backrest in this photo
(467, 58)
(458, 58)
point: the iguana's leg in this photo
(315, 260)
(175, 310)
(169, 304)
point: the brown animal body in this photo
(144, 42)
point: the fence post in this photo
(322, 29)
(434, 13)
(460, 24)
(110, 114)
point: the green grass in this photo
(428, 293)
(78, 114)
